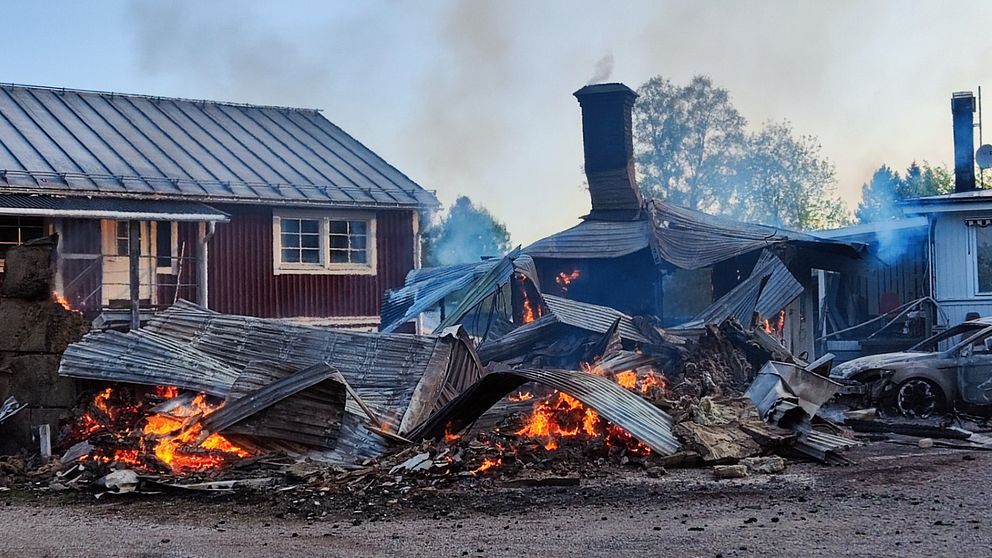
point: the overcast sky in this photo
(475, 98)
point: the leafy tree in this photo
(465, 234)
(786, 182)
(880, 197)
(689, 140)
(693, 149)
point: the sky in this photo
(475, 98)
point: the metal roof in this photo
(642, 420)
(592, 317)
(117, 145)
(82, 207)
(593, 239)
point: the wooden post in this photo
(202, 236)
(45, 442)
(57, 228)
(134, 267)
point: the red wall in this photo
(242, 282)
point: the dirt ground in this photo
(898, 501)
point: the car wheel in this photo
(920, 398)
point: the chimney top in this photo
(604, 88)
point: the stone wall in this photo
(34, 331)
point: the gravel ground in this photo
(899, 501)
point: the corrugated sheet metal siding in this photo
(242, 279)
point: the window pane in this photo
(8, 234)
(290, 256)
(339, 256)
(290, 240)
(290, 225)
(339, 242)
(310, 241)
(358, 242)
(122, 229)
(28, 233)
(360, 256)
(311, 256)
(357, 227)
(983, 237)
(339, 227)
(122, 247)
(311, 226)
(163, 244)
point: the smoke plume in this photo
(603, 70)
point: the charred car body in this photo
(949, 370)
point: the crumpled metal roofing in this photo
(692, 239)
(769, 288)
(642, 420)
(424, 288)
(592, 317)
(114, 145)
(195, 348)
(677, 235)
(81, 207)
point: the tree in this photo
(880, 197)
(784, 181)
(693, 149)
(465, 234)
(689, 140)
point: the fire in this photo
(779, 326)
(521, 396)
(450, 436)
(530, 311)
(173, 438)
(652, 381)
(488, 463)
(565, 279)
(61, 300)
(626, 379)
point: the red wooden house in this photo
(257, 210)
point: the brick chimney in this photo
(963, 114)
(607, 137)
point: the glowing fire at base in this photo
(173, 439)
(61, 300)
(564, 280)
(487, 464)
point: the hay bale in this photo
(29, 270)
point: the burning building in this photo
(643, 257)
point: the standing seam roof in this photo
(95, 143)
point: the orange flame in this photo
(521, 396)
(173, 442)
(61, 300)
(487, 464)
(529, 310)
(626, 379)
(565, 279)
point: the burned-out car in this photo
(948, 370)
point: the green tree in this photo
(464, 234)
(693, 149)
(688, 141)
(880, 197)
(785, 181)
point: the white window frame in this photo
(973, 260)
(325, 266)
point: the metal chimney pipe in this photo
(963, 114)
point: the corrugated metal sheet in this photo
(642, 420)
(265, 406)
(591, 317)
(242, 282)
(693, 239)
(518, 340)
(385, 370)
(769, 288)
(425, 288)
(80, 207)
(481, 289)
(143, 357)
(593, 239)
(110, 144)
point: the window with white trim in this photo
(323, 243)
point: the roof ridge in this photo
(6, 85)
